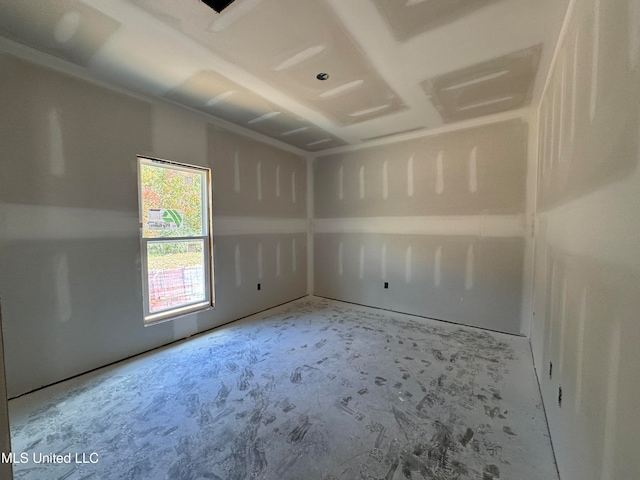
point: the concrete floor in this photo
(315, 389)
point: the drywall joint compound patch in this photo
(164, 219)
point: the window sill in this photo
(162, 317)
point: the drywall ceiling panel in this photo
(502, 84)
(69, 29)
(295, 131)
(213, 93)
(408, 18)
(260, 37)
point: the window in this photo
(175, 231)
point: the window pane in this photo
(172, 202)
(176, 272)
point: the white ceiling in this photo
(394, 65)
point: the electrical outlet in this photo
(386, 284)
(259, 286)
(550, 370)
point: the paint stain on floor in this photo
(315, 389)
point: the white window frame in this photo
(207, 240)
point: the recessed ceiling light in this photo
(219, 98)
(294, 131)
(485, 104)
(300, 57)
(369, 110)
(264, 117)
(322, 76)
(341, 89)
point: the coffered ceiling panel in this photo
(408, 18)
(259, 35)
(214, 94)
(393, 67)
(502, 84)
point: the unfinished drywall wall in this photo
(440, 219)
(70, 254)
(256, 179)
(260, 223)
(587, 271)
(477, 171)
(461, 279)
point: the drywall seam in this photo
(46, 222)
(227, 225)
(28, 222)
(44, 60)
(556, 53)
(310, 223)
(293, 187)
(479, 225)
(410, 177)
(534, 168)
(437, 267)
(521, 113)
(532, 183)
(582, 320)
(595, 61)
(611, 414)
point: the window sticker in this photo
(164, 219)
